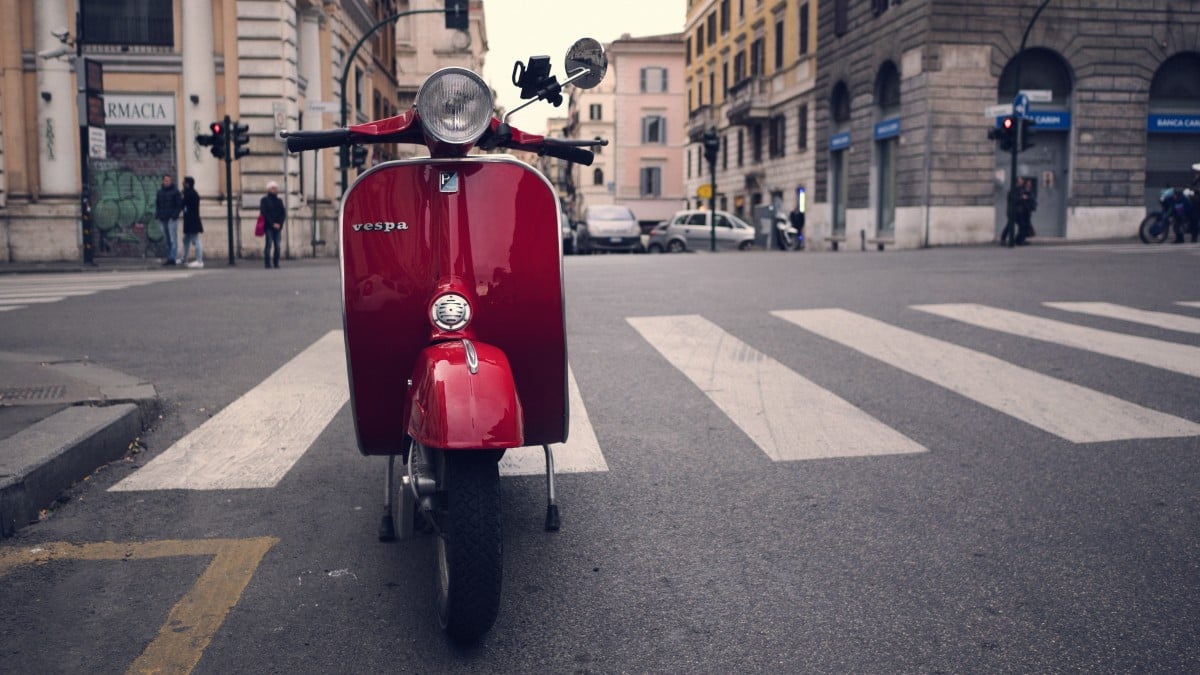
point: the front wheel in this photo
(469, 549)
(1153, 230)
(676, 246)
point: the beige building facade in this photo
(169, 70)
(751, 72)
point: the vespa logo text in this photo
(448, 181)
(379, 227)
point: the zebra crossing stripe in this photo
(1171, 356)
(1061, 408)
(1176, 322)
(255, 440)
(762, 396)
(1189, 303)
(580, 454)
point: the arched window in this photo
(887, 89)
(1040, 69)
(839, 103)
(598, 176)
(1177, 82)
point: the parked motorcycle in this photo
(452, 297)
(1178, 207)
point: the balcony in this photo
(749, 101)
(698, 120)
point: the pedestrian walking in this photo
(1026, 205)
(192, 226)
(274, 215)
(168, 205)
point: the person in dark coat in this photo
(1026, 205)
(191, 223)
(274, 215)
(168, 204)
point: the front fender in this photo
(453, 408)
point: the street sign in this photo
(704, 191)
(998, 110)
(1021, 105)
(1038, 95)
(324, 106)
(97, 143)
(279, 112)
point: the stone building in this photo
(170, 69)
(592, 113)
(751, 70)
(902, 137)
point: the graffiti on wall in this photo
(124, 187)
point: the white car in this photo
(693, 230)
(608, 227)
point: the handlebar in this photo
(298, 141)
(571, 152)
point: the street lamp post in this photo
(343, 154)
(1009, 236)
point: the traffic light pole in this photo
(227, 137)
(343, 155)
(1010, 233)
(712, 206)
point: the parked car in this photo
(694, 230)
(608, 227)
(661, 241)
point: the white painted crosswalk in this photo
(1127, 248)
(21, 291)
(258, 438)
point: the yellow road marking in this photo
(195, 619)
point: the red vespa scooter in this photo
(453, 308)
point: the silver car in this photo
(608, 227)
(693, 230)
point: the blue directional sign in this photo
(839, 141)
(1021, 105)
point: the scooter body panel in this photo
(464, 402)
(483, 227)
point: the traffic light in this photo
(217, 141)
(456, 15)
(712, 145)
(1027, 126)
(358, 156)
(241, 140)
(1005, 132)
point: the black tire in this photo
(746, 245)
(655, 248)
(676, 246)
(469, 546)
(1149, 237)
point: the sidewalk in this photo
(59, 421)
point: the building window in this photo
(724, 16)
(654, 80)
(778, 136)
(595, 112)
(712, 29)
(725, 79)
(803, 28)
(802, 130)
(758, 56)
(839, 103)
(654, 129)
(358, 88)
(841, 17)
(739, 66)
(712, 88)
(880, 6)
(598, 176)
(740, 151)
(724, 152)
(700, 40)
(129, 22)
(758, 138)
(688, 153)
(651, 181)
(779, 44)
(687, 55)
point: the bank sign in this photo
(136, 110)
(1173, 124)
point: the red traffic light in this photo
(215, 127)
(1008, 123)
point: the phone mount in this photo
(536, 81)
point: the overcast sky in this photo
(518, 29)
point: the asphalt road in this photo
(997, 546)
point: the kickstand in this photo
(552, 523)
(387, 527)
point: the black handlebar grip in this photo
(298, 141)
(568, 152)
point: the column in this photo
(58, 130)
(199, 99)
(310, 70)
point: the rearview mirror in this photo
(587, 54)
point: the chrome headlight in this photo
(455, 106)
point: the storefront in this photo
(140, 151)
